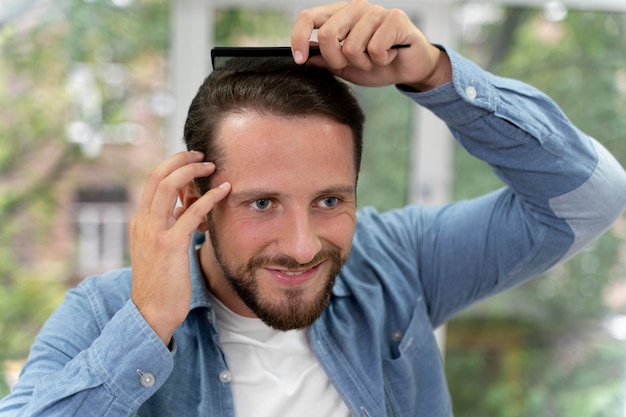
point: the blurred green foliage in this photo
(541, 349)
(39, 46)
(568, 364)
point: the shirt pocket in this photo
(413, 376)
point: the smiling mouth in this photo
(294, 278)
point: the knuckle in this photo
(396, 15)
(167, 186)
(155, 175)
(324, 35)
(377, 49)
(343, 4)
(351, 49)
(305, 15)
(377, 9)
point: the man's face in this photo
(284, 231)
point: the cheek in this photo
(340, 231)
(244, 238)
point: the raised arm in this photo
(564, 189)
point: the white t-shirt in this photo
(274, 373)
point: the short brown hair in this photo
(275, 86)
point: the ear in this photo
(188, 195)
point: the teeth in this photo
(293, 274)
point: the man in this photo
(289, 303)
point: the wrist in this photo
(164, 327)
(440, 74)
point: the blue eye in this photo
(329, 202)
(262, 204)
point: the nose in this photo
(298, 237)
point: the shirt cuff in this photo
(469, 96)
(130, 358)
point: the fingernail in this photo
(198, 153)
(224, 185)
(298, 56)
(209, 164)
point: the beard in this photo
(297, 308)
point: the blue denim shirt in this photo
(409, 271)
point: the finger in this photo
(306, 21)
(163, 170)
(165, 197)
(337, 31)
(357, 44)
(196, 213)
(395, 28)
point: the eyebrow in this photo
(252, 194)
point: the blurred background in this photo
(91, 101)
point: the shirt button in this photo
(147, 379)
(471, 92)
(396, 336)
(226, 377)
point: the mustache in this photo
(287, 262)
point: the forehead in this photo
(269, 143)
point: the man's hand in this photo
(160, 236)
(355, 39)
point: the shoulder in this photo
(401, 226)
(387, 241)
(106, 293)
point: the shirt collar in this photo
(200, 292)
